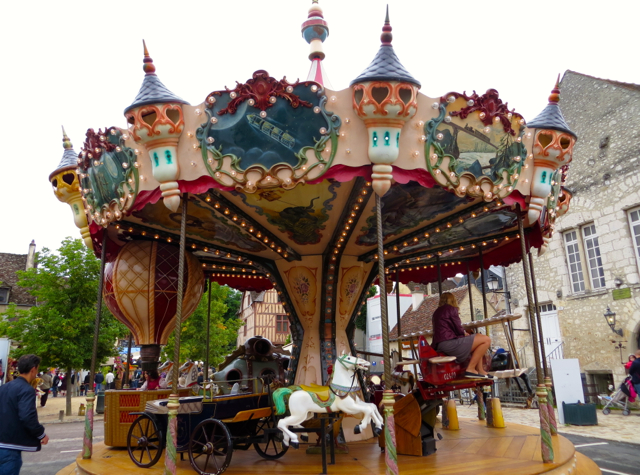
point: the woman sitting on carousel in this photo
(450, 338)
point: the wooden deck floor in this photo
(473, 449)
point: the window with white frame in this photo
(592, 250)
(634, 227)
(583, 251)
(574, 261)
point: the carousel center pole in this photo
(390, 455)
(170, 459)
(541, 390)
(87, 440)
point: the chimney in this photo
(417, 296)
(31, 256)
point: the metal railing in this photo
(556, 354)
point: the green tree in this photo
(60, 327)
(222, 333)
(233, 301)
(361, 319)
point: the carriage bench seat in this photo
(188, 405)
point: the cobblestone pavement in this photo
(614, 426)
(51, 412)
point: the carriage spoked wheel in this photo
(145, 442)
(210, 447)
(273, 448)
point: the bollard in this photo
(61, 415)
(452, 416)
(81, 410)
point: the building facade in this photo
(592, 263)
(263, 315)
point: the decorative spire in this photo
(148, 66)
(551, 117)
(152, 90)
(386, 35)
(386, 66)
(66, 143)
(315, 30)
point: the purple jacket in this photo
(446, 324)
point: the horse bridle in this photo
(355, 372)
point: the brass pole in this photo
(398, 313)
(473, 317)
(484, 285)
(176, 350)
(439, 275)
(206, 356)
(538, 317)
(383, 295)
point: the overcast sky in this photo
(79, 64)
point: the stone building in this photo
(593, 259)
(10, 293)
(263, 315)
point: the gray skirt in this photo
(459, 347)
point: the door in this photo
(551, 331)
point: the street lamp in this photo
(492, 285)
(610, 317)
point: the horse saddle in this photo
(322, 392)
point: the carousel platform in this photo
(473, 449)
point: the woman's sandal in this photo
(469, 374)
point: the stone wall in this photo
(604, 177)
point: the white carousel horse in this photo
(340, 395)
(166, 368)
(190, 371)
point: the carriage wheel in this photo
(145, 442)
(273, 448)
(606, 411)
(210, 447)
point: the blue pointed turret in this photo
(386, 66)
(551, 117)
(69, 157)
(152, 90)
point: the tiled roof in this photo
(153, 91)
(626, 85)
(551, 118)
(69, 159)
(386, 67)
(414, 321)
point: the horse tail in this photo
(279, 396)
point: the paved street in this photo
(64, 446)
(612, 457)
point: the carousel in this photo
(319, 194)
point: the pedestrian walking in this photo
(20, 430)
(98, 380)
(64, 382)
(45, 387)
(634, 372)
(56, 384)
(109, 380)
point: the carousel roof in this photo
(152, 90)
(386, 66)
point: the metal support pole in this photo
(507, 300)
(170, 460)
(484, 285)
(541, 390)
(127, 378)
(206, 356)
(398, 313)
(538, 318)
(388, 401)
(439, 275)
(473, 317)
(87, 441)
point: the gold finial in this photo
(386, 35)
(148, 66)
(554, 98)
(66, 143)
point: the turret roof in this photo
(551, 116)
(69, 157)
